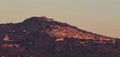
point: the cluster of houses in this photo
(8, 43)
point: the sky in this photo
(98, 16)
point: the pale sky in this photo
(99, 16)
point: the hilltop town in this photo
(45, 37)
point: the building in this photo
(8, 43)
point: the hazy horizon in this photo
(98, 16)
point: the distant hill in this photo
(45, 37)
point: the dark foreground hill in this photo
(44, 37)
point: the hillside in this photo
(45, 37)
